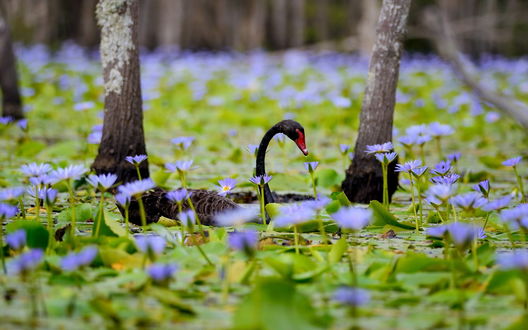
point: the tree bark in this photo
(363, 181)
(442, 37)
(297, 18)
(278, 26)
(170, 22)
(123, 121)
(11, 101)
(367, 26)
(88, 34)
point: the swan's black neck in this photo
(261, 156)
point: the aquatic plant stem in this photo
(127, 225)
(100, 216)
(413, 203)
(385, 186)
(296, 238)
(322, 229)
(312, 176)
(200, 228)
(138, 171)
(204, 255)
(261, 201)
(73, 211)
(49, 215)
(142, 214)
(520, 183)
(2, 245)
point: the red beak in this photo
(301, 143)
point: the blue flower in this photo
(513, 260)
(469, 201)
(102, 181)
(136, 160)
(317, 204)
(461, 234)
(178, 195)
(379, 148)
(34, 169)
(10, 194)
(48, 195)
(7, 211)
(74, 261)
(26, 262)
(442, 192)
(72, 172)
(16, 240)
(243, 240)
(187, 218)
(253, 148)
(353, 218)
(150, 243)
(162, 272)
(123, 199)
(311, 166)
(344, 148)
(386, 158)
(44, 179)
(512, 161)
(280, 137)
(408, 166)
(454, 157)
(497, 204)
(483, 187)
(261, 179)
(181, 165)
(136, 188)
(235, 217)
(516, 217)
(351, 296)
(442, 168)
(419, 171)
(226, 185)
(438, 129)
(183, 142)
(294, 214)
(447, 179)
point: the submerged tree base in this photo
(364, 181)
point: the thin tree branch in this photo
(442, 37)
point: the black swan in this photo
(208, 203)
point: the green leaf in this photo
(275, 304)
(337, 251)
(273, 209)
(170, 299)
(37, 236)
(328, 178)
(418, 262)
(109, 225)
(383, 217)
(83, 213)
(30, 148)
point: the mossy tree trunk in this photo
(123, 121)
(11, 102)
(363, 181)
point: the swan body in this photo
(208, 203)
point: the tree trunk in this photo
(321, 20)
(278, 24)
(367, 26)
(170, 22)
(11, 102)
(297, 18)
(123, 121)
(88, 34)
(363, 181)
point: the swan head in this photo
(295, 132)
